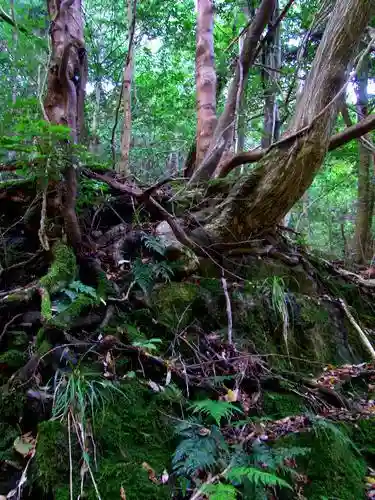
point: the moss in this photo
(13, 359)
(334, 469)
(62, 270)
(19, 339)
(52, 456)
(129, 433)
(173, 304)
(46, 306)
(11, 405)
(277, 405)
(74, 310)
(7, 436)
(44, 347)
(363, 435)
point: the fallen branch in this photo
(362, 335)
(229, 309)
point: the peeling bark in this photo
(64, 101)
(364, 199)
(259, 200)
(224, 132)
(123, 166)
(205, 79)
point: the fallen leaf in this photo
(232, 396)
(25, 445)
(122, 493)
(151, 473)
(164, 477)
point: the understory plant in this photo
(205, 463)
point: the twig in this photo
(364, 339)
(8, 324)
(229, 309)
(211, 480)
(70, 460)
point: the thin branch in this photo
(229, 309)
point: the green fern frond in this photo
(215, 409)
(220, 491)
(256, 476)
(153, 243)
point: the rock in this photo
(175, 251)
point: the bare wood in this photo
(364, 339)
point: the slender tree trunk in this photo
(65, 93)
(260, 199)
(364, 200)
(272, 61)
(205, 78)
(224, 132)
(123, 165)
(94, 141)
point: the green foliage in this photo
(148, 345)
(256, 476)
(217, 410)
(220, 491)
(146, 274)
(153, 243)
(199, 448)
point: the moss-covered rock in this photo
(279, 405)
(130, 432)
(52, 456)
(335, 470)
(173, 304)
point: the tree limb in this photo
(337, 140)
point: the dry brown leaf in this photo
(151, 473)
(122, 493)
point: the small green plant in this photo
(145, 274)
(78, 396)
(148, 345)
(217, 410)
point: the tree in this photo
(365, 203)
(260, 199)
(205, 79)
(64, 102)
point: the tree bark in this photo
(205, 79)
(64, 103)
(364, 199)
(272, 61)
(224, 132)
(123, 165)
(260, 199)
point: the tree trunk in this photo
(66, 92)
(123, 166)
(224, 132)
(272, 61)
(260, 199)
(205, 79)
(364, 200)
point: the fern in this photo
(220, 491)
(215, 409)
(153, 243)
(256, 476)
(143, 275)
(198, 451)
(162, 270)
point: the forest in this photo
(187, 253)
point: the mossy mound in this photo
(334, 467)
(277, 405)
(128, 432)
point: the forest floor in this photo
(140, 370)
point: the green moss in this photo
(44, 347)
(130, 432)
(18, 339)
(11, 405)
(52, 456)
(46, 306)
(74, 310)
(173, 304)
(13, 359)
(277, 405)
(7, 436)
(334, 469)
(363, 435)
(62, 270)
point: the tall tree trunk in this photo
(365, 174)
(94, 140)
(272, 61)
(65, 93)
(123, 165)
(224, 132)
(260, 199)
(205, 78)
